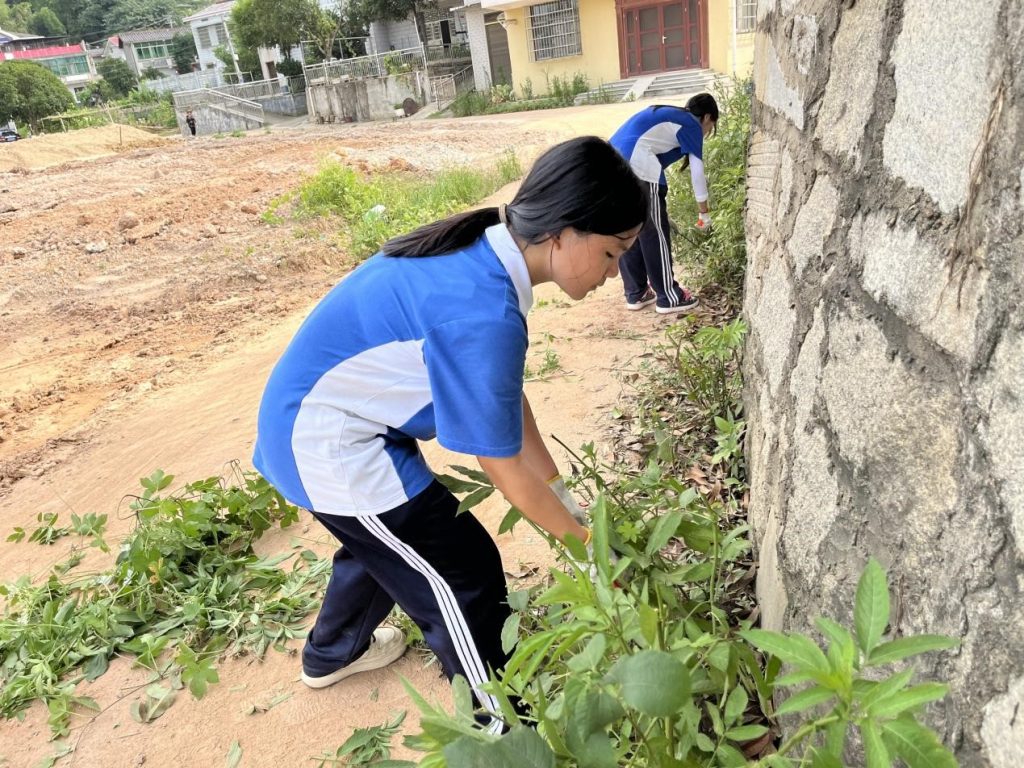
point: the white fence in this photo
(375, 65)
(192, 81)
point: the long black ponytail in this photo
(583, 183)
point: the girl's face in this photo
(581, 262)
(707, 125)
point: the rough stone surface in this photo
(805, 42)
(813, 223)
(1003, 727)
(785, 185)
(1004, 434)
(883, 391)
(775, 312)
(884, 414)
(852, 80)
(771, 589)
(913, 277)
(813, 504)
(803, 385)
(931, 139)
(772, 88)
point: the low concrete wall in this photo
(284, 103)
(212, 119)
(359, 100)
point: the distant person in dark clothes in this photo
(652, 140)
(190, 121)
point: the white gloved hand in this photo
(557, 484)
(704, 221)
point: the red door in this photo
(662, 36)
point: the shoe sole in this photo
(676, 310)
(640, 305)
(357, 666)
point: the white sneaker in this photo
(646, 300)
(386, 645)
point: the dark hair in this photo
(703, 104)
(583, 183)
(700, 105)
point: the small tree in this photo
(118, 74)
(183, 51)
(45, 22)
(30, 92)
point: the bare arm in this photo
(523, 479)
(531, 495)
(536, 453)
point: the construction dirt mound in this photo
(57, 148)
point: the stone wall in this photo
(885, 362)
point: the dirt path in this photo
(152, 353)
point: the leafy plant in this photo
(186, 587)
(377, 208)
(367, 746)
(550, 364)
(645, 664)
(650, 658)
(47, 533)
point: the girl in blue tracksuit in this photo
(426, 340)
(651, 140)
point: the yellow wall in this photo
(720, 42)
(600, 42)
(598, 37)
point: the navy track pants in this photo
(443, 569)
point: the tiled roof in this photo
(7, 37)
(50, 52)
(150, 35)
(211, 10)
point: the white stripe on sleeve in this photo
(700, 182)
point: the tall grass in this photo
(375, 208)
(718, 258)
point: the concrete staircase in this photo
(606, 92)
(683, 81)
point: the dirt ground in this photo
(142, 305)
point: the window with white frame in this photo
(746, 15)
(146, 51)
(554, 30)
(204, 37)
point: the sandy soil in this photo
(142, 304)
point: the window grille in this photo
(554, 30)
(746, 15)
(204, 38)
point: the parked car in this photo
(7, 134)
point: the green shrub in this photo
(378, 208)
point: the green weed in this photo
(367, 746)
(380, 207)
(186, 587)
